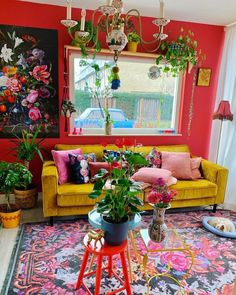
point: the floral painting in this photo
(28, 81)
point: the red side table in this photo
(101, 250)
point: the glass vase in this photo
(107, 128)
(157, 230)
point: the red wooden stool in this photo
(100, 251)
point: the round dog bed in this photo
(212, 229)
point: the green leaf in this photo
(95, 194)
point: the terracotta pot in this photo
(10, 219)
(26, 199)
(132, 46)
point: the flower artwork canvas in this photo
(28, 81)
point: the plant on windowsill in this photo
(26, 149)
(11, 175)
(179, 55)
(73, 32)
(121, 199)
(133, 41)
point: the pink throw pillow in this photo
(150, 175)
(62, 162)
(195, 164)
(96, 166)
(178, 164)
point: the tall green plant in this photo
(28, 146)
(12, 175)
(121, 196)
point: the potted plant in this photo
(108, 121)
(180, 54)
(11, 175)
(27, 148)
(121, 199)
(92, 38)
(133, 41)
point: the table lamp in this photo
(223, 113)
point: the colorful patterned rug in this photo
(47, 260)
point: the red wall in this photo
(210, 40)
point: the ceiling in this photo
(216, 12)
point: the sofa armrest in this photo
(218, 175)
(49, 188)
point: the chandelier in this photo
(110, 18)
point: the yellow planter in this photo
(10, 219)
(132, 46)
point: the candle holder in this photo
(69, 23)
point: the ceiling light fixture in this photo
(110, 17)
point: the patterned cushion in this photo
(79, 169)
(154, 158)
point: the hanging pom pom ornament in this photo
(115, 81)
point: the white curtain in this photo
(227, 91)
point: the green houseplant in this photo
(11, 175)
(92, 38)
(121, 199)
(133, 41)
(180, 54)
(26, 149)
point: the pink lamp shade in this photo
(223, 112)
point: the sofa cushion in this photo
(150, 175)
(62, 162)
(79, 169)
(70, 194)
(154, 158)
(192, 189)
(178, 164)
(195, 164)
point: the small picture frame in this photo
(204, 77)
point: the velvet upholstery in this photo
(72, 199)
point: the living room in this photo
(184, 124)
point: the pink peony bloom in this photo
(34, 114)
(24, 102)
(177, 260)
(40, 74)
(32, 96)
(13, 84)
(153, 197)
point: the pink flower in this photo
(13, 84)
(154, 197)
(34, 114)
(40, 74)
(24, 102)
(32, 96)
(177, 260)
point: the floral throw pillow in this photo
(79, 169)
(154, 158)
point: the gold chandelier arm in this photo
(138, 16)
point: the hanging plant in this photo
(177, 55)
(76, 41)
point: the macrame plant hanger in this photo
(67, 107)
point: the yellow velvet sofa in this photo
(72, 199)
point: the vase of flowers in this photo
(160, 198)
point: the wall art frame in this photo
(28, 81)
(204, 77)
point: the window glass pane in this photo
(141, 102)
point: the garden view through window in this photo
(141, 105)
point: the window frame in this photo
(177, 103)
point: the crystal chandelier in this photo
(110, 18)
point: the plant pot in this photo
(132, 46)
(10, 219)
(108, 128)
(26, 199)
(115, 233)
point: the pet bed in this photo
(218, 232)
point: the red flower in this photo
(127, 142)
(115, 165)
(104, 143)
(119, 143)
(40, 74)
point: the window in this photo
(141, 105)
